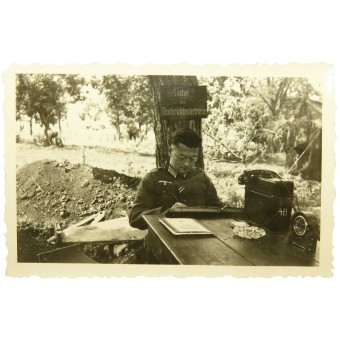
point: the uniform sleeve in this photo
(211, 197)
(144, 203)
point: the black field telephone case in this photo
(268, 201)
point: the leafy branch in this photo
(226, 147)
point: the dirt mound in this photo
(50, 192)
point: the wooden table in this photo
(223, 247)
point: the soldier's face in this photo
(183, 158)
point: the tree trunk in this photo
(31, 126)
(164, 128)
(44, 122)
(118, 129)
(46, 131)
(59, 122)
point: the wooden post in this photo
(185, 112)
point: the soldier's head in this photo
(185, 145)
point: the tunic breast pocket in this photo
(165, 194)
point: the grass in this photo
(129, 163)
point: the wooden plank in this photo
(271, 250)
(84, 221)
(98, 217)
(189, 249)
(111, 231)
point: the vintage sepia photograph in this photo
(170, 169)
(189, 169)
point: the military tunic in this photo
(160, 189)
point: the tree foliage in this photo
(43, 97)
(129, 101)
(248, 117)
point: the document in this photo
(184, 226)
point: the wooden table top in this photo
(224, 247)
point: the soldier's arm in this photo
(211, 197)
(145, 203)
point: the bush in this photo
(41, 140)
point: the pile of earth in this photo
(51, 193)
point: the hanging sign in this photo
(178, 102)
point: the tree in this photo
(249, 117)
(93, 104)
(283, 100)
(140, 104)
(43, 97)
(163, 127)
(129, 101)
(24, 98)
(273, 92)
(115, 88)
(233, 115)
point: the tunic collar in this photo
(173, 172)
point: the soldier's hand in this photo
(178, 205)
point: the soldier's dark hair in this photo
(188, 137)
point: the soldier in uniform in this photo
(179, 184)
